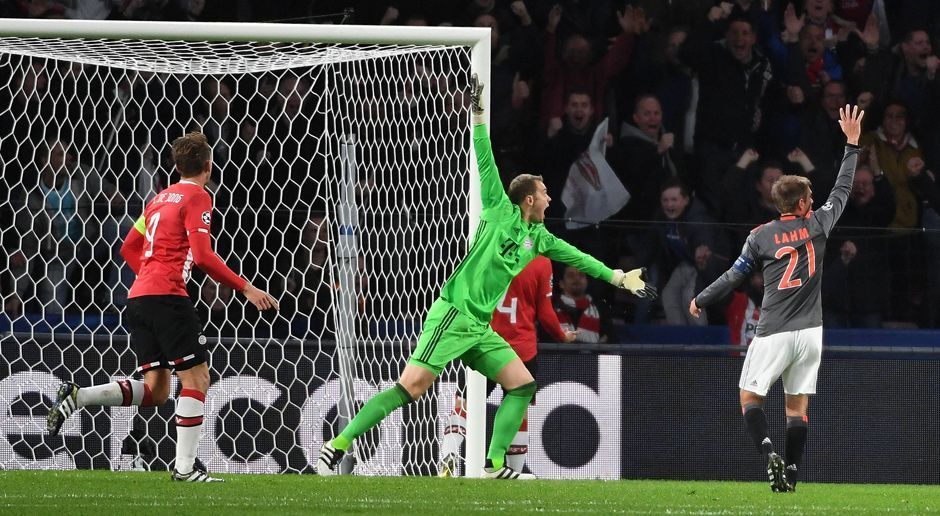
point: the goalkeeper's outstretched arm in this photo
(634, 281)
(491, 187)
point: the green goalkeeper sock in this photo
(508, 418)
(374, 411)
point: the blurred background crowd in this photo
(693, 107)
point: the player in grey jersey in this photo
(788, 342)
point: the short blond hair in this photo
(190, 153)
(523, 185)
(787, 192)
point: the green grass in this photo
(101, 492)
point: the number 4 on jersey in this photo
(510, 309)
(788, 281)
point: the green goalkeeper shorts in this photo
(449, 335)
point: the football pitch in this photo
(103, 492)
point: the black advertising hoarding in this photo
(672, 416)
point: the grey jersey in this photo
(790, 253)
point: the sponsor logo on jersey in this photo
(827, 206)
(528, 244)
(206, 217)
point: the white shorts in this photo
(795, 355)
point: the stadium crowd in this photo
(706, 103)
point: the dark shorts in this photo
(165, 333)
(531, 365)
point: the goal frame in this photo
(478, 39)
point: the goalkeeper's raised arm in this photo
(491, 186)
(526, 188)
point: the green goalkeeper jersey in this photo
(503, 245)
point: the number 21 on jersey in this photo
(788, 281)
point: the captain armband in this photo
(743, 264)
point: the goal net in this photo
(341, 185)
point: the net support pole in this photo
(476, 383)
(347, 266)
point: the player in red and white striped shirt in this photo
(528, 298)
(170, 237)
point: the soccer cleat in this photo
(767, 446)
(448, 466)
(776, 472)
(66, 401)
(195, 475)
(504, 473)
(792, 475)
(329, 460)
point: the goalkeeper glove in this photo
(634, 282)
(476, 95)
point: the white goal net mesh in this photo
(340, 185)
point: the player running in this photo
(788, 341)
(509, 236)
(529, 296)
(172, 234)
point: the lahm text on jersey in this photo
(791, 236)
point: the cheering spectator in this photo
(644, 158)
(856, 253)
(655, 69)
(746, 200)
(822, 180)
(733, 77)
(820, 137)
(801, 55)
(685, 249)
(575, 71)
(513, 61)
(565, 144)
(908, 77)
(891, 146)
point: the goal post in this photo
(345, 181)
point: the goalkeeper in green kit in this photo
(509, 236)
